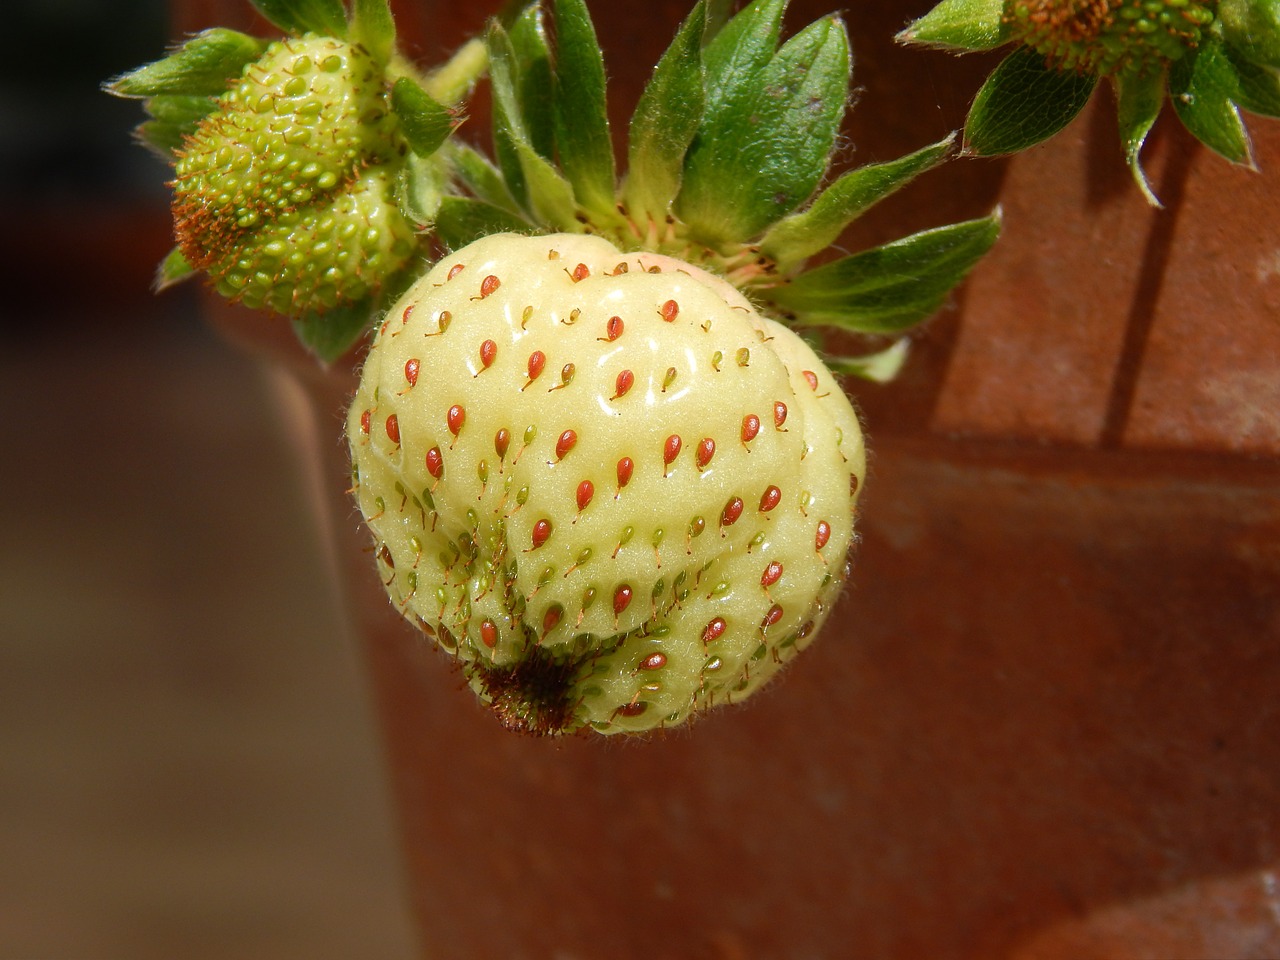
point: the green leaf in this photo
(769, 142)
(960, 25)
(1201, 87)
(1257, 87)
(474, 171)
(890, 287)
(461, 220)
(801, 235)
(534, 79)
(426, 123)
(1023, 103)
(173, 269)
(879, 367)
(1251, 29)
(331, 334)
(1139, 97)
(718, 13)
(173, 119)
(420, 187)
(373, 26)
(203, 66)
(583, 143)
(665, 121)
(306, 16)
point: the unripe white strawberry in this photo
(612, 489)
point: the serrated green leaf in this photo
(203, 66)
(888, 288)
(665, 121)
(1022, 103)
(799, 236)
(769, 144)
(373, 26)
(879, 367)
(583, 143)
(426, 123)
(173, 119)
(461, 220)
(474, 172)
(1257, 87)
(740, 50)
(1139, 97)
(960, 25)
(1201, 87)
(306, 16)
(331, 334)
(173, 269)
(534, 78)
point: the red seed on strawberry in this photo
(750, 427)
(488, 353)
(585, 492)
(393, 429)
(625, 467)
(613, 329)
(706, 450)
(541, 533)
(566, 443)
(669, 311)
(670, 450)
(779, 414)
(411, 367)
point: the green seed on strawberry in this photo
(567, 608)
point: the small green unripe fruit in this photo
(278, 177)
(602, 481)
(1106, 37)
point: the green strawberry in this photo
(606, 484)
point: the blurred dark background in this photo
(189, 762)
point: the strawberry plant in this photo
(598, 439)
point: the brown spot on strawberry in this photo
(501, 441)
(566, 376)
(632, 709)
(551, 619)
(489, 633)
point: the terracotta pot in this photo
(1044, 723)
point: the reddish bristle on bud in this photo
(625, 466)
(537, 361)
(488, 353)
(435, 462)
(411, 367)
(489, 633)
(771, 574)
(626, 379)
(654, 661)
(669, 311)
(393, 429)
(750, 427)
(731, 512)
(565, 443)
(713, 631)
(456, 418)
(621, 598)
(779, 414)
(770, 498)
(501, 441)
(823, 534)
(706, 450)
(541, 533)
(489, 285)
(586, 490)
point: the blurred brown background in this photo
(187, 762)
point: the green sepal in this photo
(583, 143)
(462, 220)
(1201, 87)
(327, 17)
(960, 25)
(426, 123)
(201, 67)
(665, 121)
(534, 78)
(420, 187)
(1252, 29)
(891, 287)
(374, 28)
(173, 118)
(796, 238)
(1022, 103)
(879, 367)
(764, 148)
(1257, 87)
(1139, 97)
(718, 13)
(173, 269)
(741, 49)
(330, 334)
(481, 178)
